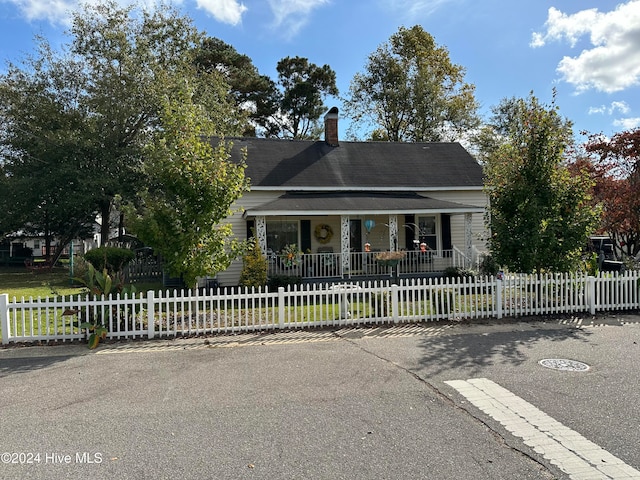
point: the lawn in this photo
(222, 312)
(20, 282)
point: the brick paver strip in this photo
(580, 458)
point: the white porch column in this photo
(261, 233)
(468, 238)
(393, 233)
(344, 243)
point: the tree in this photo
(124, 53)
(94, 107)
(539, 215)
(191, 190)
(616, 171)
(255, 267)
(489, 137)
(304, 85)
(250, 91)
(412, 92)
(44, 139)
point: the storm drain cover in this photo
(564, 364)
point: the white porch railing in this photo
(364, 264)
(172, 314)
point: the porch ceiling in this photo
(344, 203)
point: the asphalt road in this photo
(369, 403)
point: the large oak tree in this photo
(411, 91)
(79, 122)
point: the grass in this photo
(224, 313)
(20, 282)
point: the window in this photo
(281, 233)
(427, 231)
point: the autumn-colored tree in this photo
(615, 167)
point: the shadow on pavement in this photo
(17, 365)
(478, 351)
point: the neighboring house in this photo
(21, 246)
(342, 202)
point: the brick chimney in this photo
(331, 127)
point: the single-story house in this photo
(327, 209)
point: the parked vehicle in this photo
(607, 259)
(602, 244)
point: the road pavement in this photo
(364, 403)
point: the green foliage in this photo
(192, 188)
(254, 269)
(488, 266)
(540, 214)
(98, 333)
(103, 283)
(591, 264)
(253, 94)
(304, 86)
(410, 91)
(76, 122)
(112, 259)
(43, 140)
(100, 283)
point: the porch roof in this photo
(344, 203)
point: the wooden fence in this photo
(184, 313)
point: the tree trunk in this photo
(105, 211)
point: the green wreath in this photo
(323, 233)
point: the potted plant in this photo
(389, 259)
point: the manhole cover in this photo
(563, 364)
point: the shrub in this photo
(488, 266)
(283, 281)
(457, 272)
(254, 269)
(111, 258)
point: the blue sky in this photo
(588, 50)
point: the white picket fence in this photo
(180, 313)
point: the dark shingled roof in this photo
(363, 202)
(297, 164)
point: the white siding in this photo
(231, 276)
(379, 236)
(475, 198)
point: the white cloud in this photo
(627, 123)
(60, 11)
(225, 11)
(416, 8)
(291, 15)
(613, 61)
(621, 107)
(55, 11)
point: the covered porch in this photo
(329, 236)
(312, 267)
